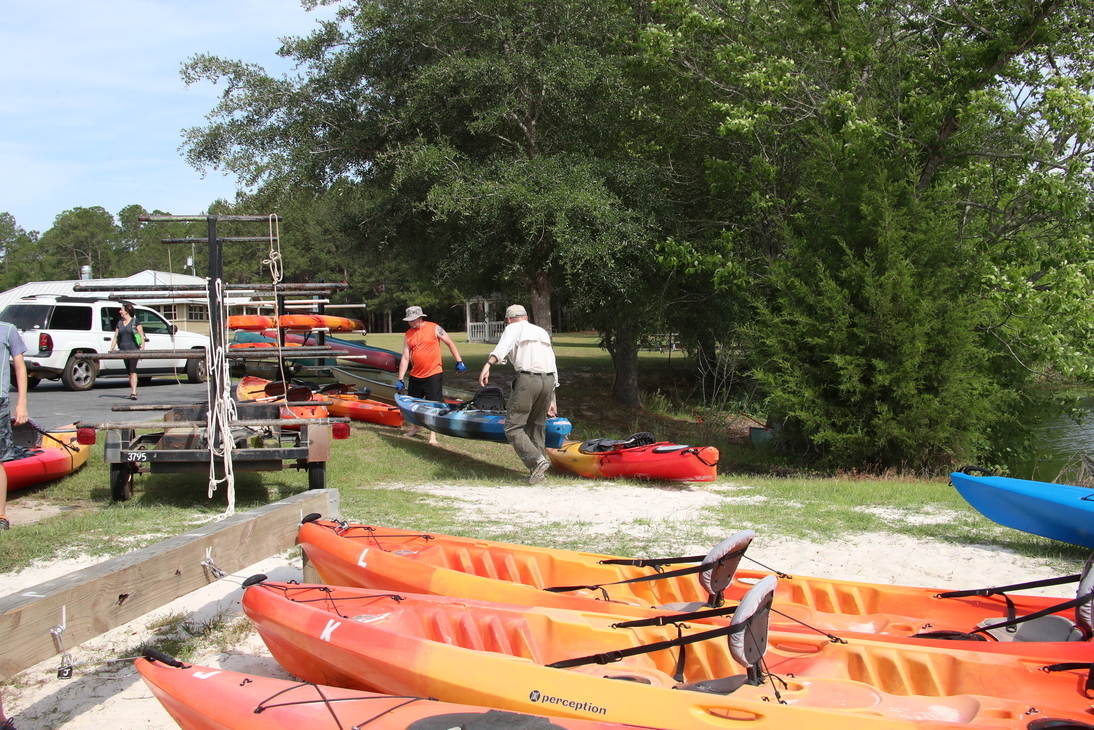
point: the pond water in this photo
(1058, 441)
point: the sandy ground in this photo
(114, 696)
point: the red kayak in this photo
(359, 353)
(50, 456)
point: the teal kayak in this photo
(1057, 511)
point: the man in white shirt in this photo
(533, 399)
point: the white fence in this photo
(484, 331)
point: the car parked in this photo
(55, 328)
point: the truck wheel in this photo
(121, 482)
(317, 475)
(32, 382)
(79, 374)
(196, 371)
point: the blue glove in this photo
(400, 386)
(460, 367)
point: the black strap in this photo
(1068, 666)
(656, 576)
(1038, 614)
(610, 657)
(674, 618)
(999, 590)
(652, 562)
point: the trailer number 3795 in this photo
(136, 456)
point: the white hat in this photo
(413, 313)
(515, 310)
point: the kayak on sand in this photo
(354, 554)
(680, 676)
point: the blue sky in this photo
(92, 105)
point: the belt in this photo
(529, 372)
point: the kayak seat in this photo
(723, 559)
(721, 686)
(1053, 627)
(1045, 628)
(600, 446)
(748, 644)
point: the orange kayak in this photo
(320, 321)
(358, 408)
(252, 322)
(679, 676)
(660, 460)
(254, 388)
(205, 698)
(384, 558)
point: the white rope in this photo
(219, 418)
(277, 273)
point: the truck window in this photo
(26, 316)
(71, 318)
(152, 323)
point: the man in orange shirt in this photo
(422, 351)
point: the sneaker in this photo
(4, 525)
(8, 724)
(538, 475)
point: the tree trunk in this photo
(623, 347)
(540, 294)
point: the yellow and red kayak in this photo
(690, 676)
(51, 455)
(351, 554)
(206, 698)
(660, 460)
(254, 388)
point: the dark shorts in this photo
(130, 365)
(7, 445)
(429, 388)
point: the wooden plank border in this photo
(103, 596)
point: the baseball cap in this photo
(515, 310)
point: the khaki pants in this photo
(526, 422)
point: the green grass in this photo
(381, 477)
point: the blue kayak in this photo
(471, 424)
(1057, 511)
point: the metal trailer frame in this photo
(179, 443)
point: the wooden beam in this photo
(100, 597)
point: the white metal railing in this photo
(484, 331)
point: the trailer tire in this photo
(121, 482)
(317, 475)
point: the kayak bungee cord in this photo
(341, 527)
(331, 601)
